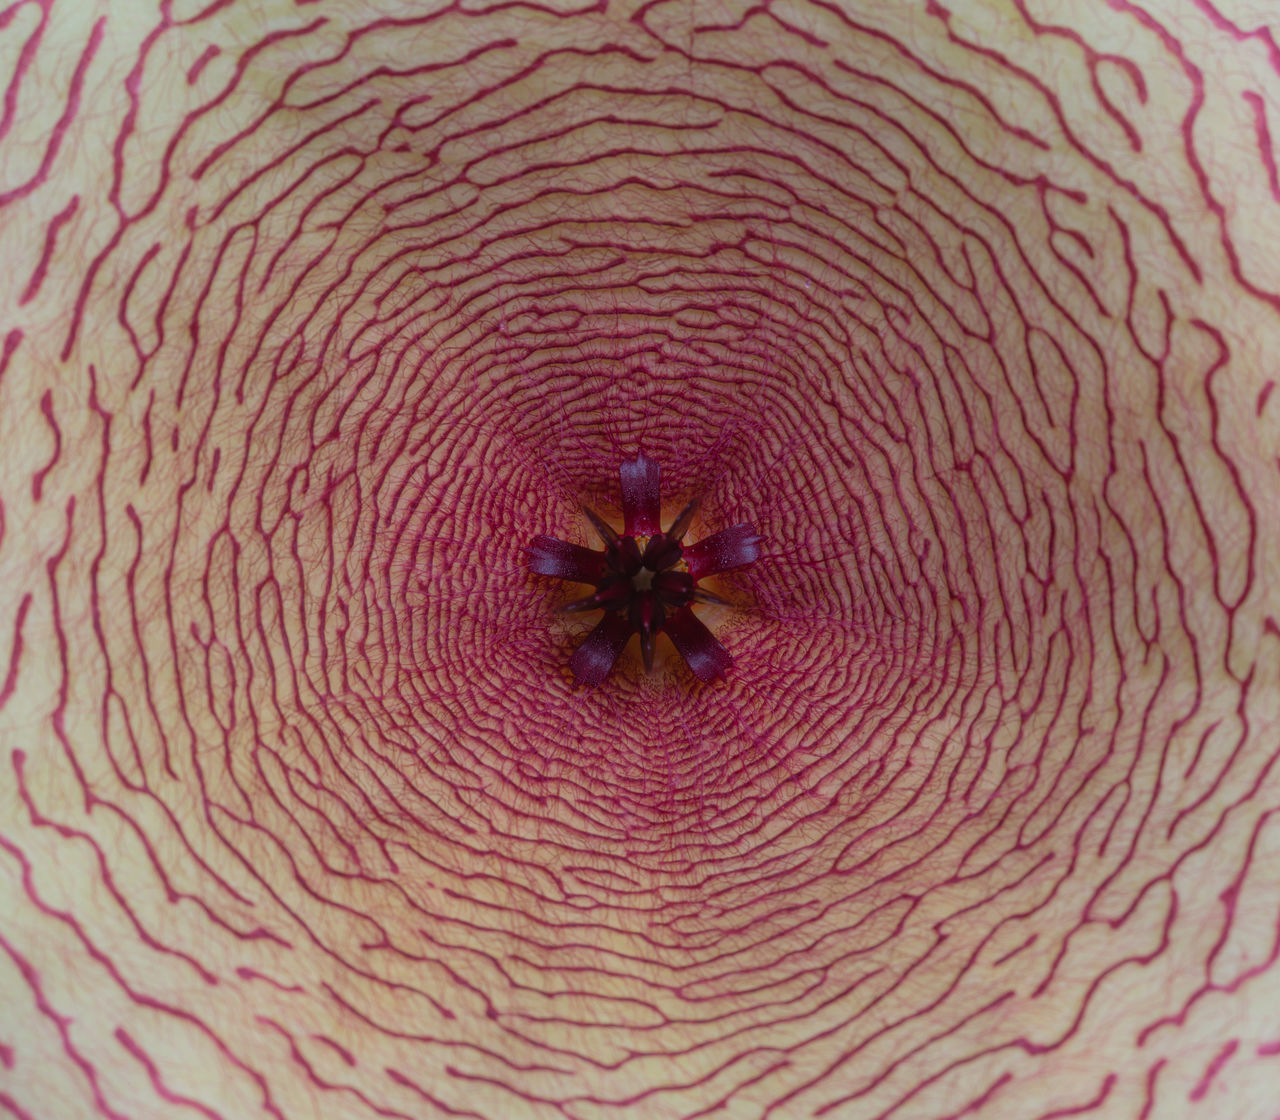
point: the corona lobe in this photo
(645, 579)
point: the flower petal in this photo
(697, 645)
(595, 658)
(735, 547)
(550, 556)
(641, 496)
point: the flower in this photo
(645, 580)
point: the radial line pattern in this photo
(319, 316)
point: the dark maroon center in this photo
(645, 580)
(641, 579)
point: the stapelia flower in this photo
(645, 579)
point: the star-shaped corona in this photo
(646, 580)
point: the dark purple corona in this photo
(645, 580)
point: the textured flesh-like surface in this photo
(315, 315)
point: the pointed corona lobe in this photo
(645, 580)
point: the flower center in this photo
(645, 580)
